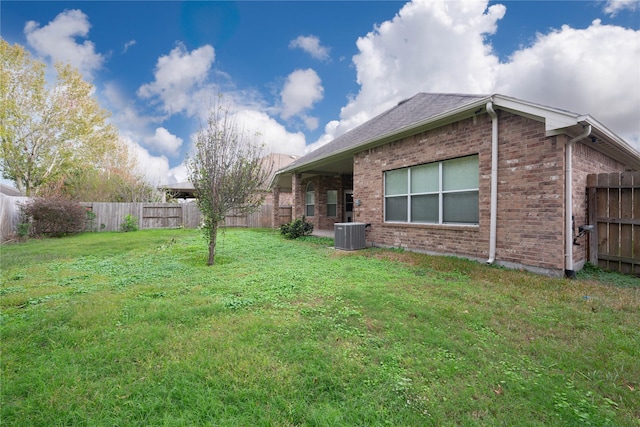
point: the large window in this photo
(332, 203)
(310, 200)
(436, 193)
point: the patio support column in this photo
(298, 200)
(275, 210)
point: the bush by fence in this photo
(53, 217)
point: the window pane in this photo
(331, 210)
(310, 198)
(309, 210)
(424, 179)
(396, 209)
(395, 182)
(424, 208)
(460, 207)
(460, 174)
(332, 197)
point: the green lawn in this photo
(133, 329)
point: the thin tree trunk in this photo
(213, 234)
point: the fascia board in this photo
(605, 131)
(615, 145)
(554, 120)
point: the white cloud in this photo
(441, 46)
(178, 76)
(302, 89)
(436, 46)
(127, 45)
(310, 123)
(165, 142)
(311, 45)
(57, 41)
(330, 133)
(155, 169)
(590, 71)
(125, 114)
(256, 123)
(613, 7)
(275, 136)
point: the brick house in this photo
(485, 177)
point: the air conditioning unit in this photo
(349, 236)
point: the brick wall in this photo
(322, 184)
(530, 191)
(586, 160)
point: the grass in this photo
(133, 329)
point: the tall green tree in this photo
(114, 179)
(227, 171)
(48, 130)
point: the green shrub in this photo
(296, 228)
(130, 223)
(54, 216)
(91, 217)
(23, 229)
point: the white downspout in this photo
(494, 183)
(568, 203)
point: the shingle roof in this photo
(414, 110)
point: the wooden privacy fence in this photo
(171, 215)
(262, 218)
(110, 216)
(613, 207)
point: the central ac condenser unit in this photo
(349, 236)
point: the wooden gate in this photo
(613, 205)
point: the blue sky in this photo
(303, 72)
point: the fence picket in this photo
(110, 216)
(614, 209)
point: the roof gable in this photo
(407, 114)
(435, 109)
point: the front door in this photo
(348, 206)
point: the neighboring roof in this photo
(185, 190)
(279, 161)
(8, 190)
(180, 190)
(429, 110)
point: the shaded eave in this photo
(181, 190)
(557, 122)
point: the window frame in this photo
(335, 204)
(440, 193)
(310, 190)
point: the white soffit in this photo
(555, 121)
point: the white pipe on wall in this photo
(494, 183)
(568, 202)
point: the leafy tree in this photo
(47, 132)
(227, 172)
(113, 180)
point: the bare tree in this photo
(227, 171)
